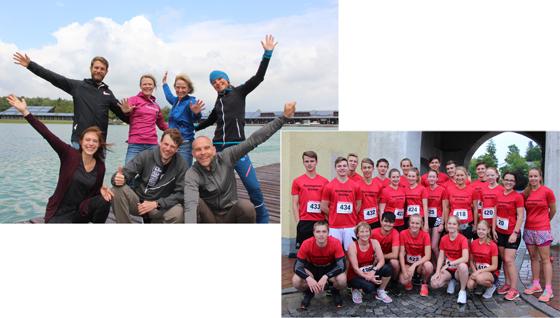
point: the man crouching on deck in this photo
(210, 187)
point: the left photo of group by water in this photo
(183, 131)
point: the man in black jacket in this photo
(92, 98)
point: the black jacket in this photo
(229, 110)
(91, 100)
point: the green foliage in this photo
(165, 112)
(60, 105)
(534, 155)
(517, 164)
(489, 158)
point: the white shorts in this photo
(344, 235)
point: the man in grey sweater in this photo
(210, 187)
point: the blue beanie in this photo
(218, 74)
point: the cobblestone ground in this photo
(409, 304)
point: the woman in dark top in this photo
(79, 196)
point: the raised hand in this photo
(289, 109)
(22, 59)
(18, 104)
(106, 193)
(197, 107)
(268, 43)
(119, 177)
(164, 79)
(126, 108)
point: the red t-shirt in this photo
(506, 211)
(342, 199)
(435, 199)
(309, 192)
(537, 209)
(364, 259)
(355, 177)
(388, 241)
(395, 201)
(461, 202)
(482, 254)
(487, 201)
(382, 183)
(442, 179)
(320, 256)
(451, 182)
(403, 183)
(414, 199)
(370, 196)
(453, 249)
(414, 247)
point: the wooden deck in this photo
(269, 178)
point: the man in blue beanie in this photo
(229, 116)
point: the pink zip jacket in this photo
(143, 120)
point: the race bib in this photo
(487, 213)
(412, 209)
(399, 214)
(313, 207)
(481, 265)
(461, 214)
(367, 269)
(432, 212)
(502, 223)
(454, 266)
(344, 207)
(411, 259)
(370, 213)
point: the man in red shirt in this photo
(479, 183)
(341, 200)
(435, 164)
(382, 166)
(306, 198)
(320, 260)
(388, 238)
(352, 159)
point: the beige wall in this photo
(328, 146)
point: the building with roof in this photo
(41, 112)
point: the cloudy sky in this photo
(191, 37)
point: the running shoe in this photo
(546, 296)
(337, 299)
(489, 292)
(307, 296)
(462, 299)
(533, 289)
(424, 290)
(382, 295)
(512, 294)
(408, 286)
(416, 279)
(356, 296)
(451, 287)
(504, 289)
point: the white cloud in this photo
(304, 66)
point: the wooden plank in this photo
(269, 178)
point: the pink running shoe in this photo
(512, 294)
(504, 289)
(533, 289)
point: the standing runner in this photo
(479, 184)
(435, 164)
(540, 204)
(437, 203)
(483, 261)
(393, 200)
(415, 254)
(340, 201)
(371, 192)
(319, 260)
(352, 166)
(306, 198)
(506, 229)
(452, 261)
(382, 166)
(229, 116)
(463, 200)
(451, 167)
(388, 238)
(488, 193)
(416, 198)
(367, 266)
(406, 165)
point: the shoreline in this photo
(21, 121)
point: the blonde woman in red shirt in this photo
(483, 261)
(393, 200)
(416, 198)
(437, 202)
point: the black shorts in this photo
(434, 222)
(468, 232)
(503, 241)
(319, 271)
(374, 225)
(367, 286)
(304, 231)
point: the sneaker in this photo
(462, 299)
(408, 286)
(424, 290)
(382, 295)
(451, 287)
(546, 296)
(356, 296)
(533, 289)
(489, 292)
(511, 294)
(504, 289)
(337, 299)
(307, 296)
(416, 279)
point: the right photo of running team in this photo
(420, 223)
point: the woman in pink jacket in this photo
(144, 115)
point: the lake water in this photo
(30, 167)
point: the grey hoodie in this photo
(217, 186)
